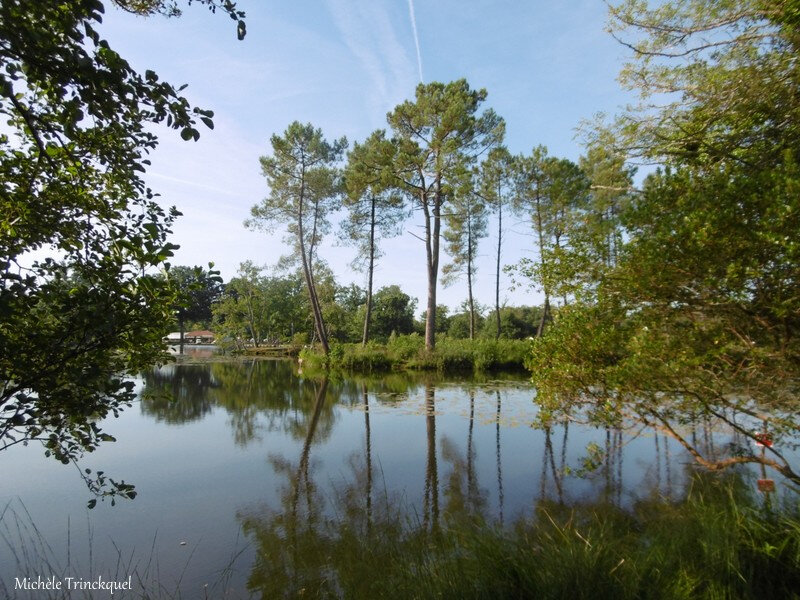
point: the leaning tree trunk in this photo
(545, 311)
(319, 323)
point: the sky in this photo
(342, 65)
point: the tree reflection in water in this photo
(259, 396)
(500, 496)
(331, 532)
(359, 547)
(178, 394)
(431, 503)
(368, 454)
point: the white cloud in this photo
(369, 33)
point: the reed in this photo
(31, 554)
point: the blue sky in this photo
(342, 65)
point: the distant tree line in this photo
(261, 306)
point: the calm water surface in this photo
(221, 453)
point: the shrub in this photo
(369, 359)
(405, 347)
(312, 359)
(454, 356)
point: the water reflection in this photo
(499, 460)
(258, 396)
(178, 394)
(352, 460)
(263, 399)
(431, 502)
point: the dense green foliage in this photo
(259, 308)
(686, 294)
(393, 312)
(197, 290)
(79, 129)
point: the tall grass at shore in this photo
(721, 540)
(717, 542)
(407, 352)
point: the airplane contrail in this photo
(416, 38)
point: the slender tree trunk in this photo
(497, 280)
(319, 324)
(368, 314)
(540, 329)
(437, 227)
(469, 279)
(318, 306)
(432, 256)
(558, 247)
(180, 325)
(545, 311)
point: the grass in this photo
(31, 555)
(407, 352)
(718, 542)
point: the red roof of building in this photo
(201, 333)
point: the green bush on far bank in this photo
(408, 352)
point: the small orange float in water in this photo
(763, 439)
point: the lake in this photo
(223, 455)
